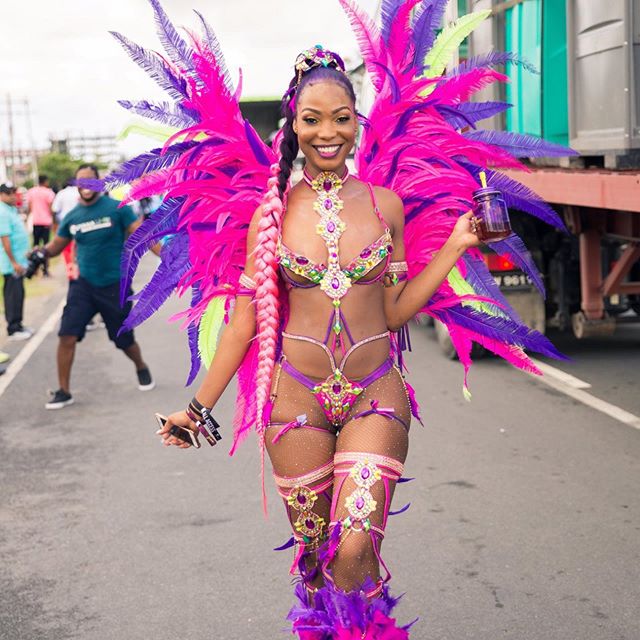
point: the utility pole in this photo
(34, 155)
(11, 150)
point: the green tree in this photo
(61, 167)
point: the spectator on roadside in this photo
(67, 199)
(39, 201)
(13, 262)
(99, 227)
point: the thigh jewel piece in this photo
(301, 494)
(364, 514)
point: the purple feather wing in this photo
(179, 52)
(492, 59)
(468, 113)
(520, 145)
(500, 329)
(162, 112)
(155, 66)
(515, 250)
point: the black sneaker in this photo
(145, 381)
(59, 399)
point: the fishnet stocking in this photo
(300, 451)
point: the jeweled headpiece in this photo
(317, 56)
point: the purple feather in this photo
(393, 83)
(175, 263)
(403, 120)
(394, 165)
(155, 66)
(287, 545)
(399, 511)
(162, 222)
(192, 338)
(333, 610)
(154, 160)
(425, 26)
(179, 52)
(500, 329)
(162, 112)
(468, 113)
(520, 145)
(403, 479)
(257, 146)
(454, 113)
(492, 59)
(388, 13)
(515, 250)
(214, 47)
(420, 207)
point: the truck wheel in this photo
(584, 328)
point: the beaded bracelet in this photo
(207, 426)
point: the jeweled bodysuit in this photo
(346, 478)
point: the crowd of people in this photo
(89, 229)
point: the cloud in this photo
(64, 62)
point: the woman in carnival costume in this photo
(311, 286)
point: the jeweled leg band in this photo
(301, 494)
(365, 470)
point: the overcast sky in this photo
(59, 55)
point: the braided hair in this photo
(273, 206)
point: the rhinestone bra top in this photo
(330, 228)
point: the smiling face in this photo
(326, 125)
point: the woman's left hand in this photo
(464, 234)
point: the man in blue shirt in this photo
(99, 227)
(14, 245)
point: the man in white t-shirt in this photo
(67, 199)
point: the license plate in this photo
(512, 280)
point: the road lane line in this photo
(613, 411)
(561, 376)
(29, 348)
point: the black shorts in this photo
(84, 301)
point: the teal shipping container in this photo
(537, 31)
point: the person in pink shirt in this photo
(39, 201)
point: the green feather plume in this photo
(463, 288)
(449, 39)
(158, 132)
(209, 329)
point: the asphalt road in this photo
(524, 521)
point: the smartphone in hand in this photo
(182, 433)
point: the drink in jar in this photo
(492, 215)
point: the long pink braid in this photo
(267, 302)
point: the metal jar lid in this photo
(485, 192)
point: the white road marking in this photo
(29, 348)
(561, 376)
(613, 411)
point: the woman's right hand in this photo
(179, 419)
